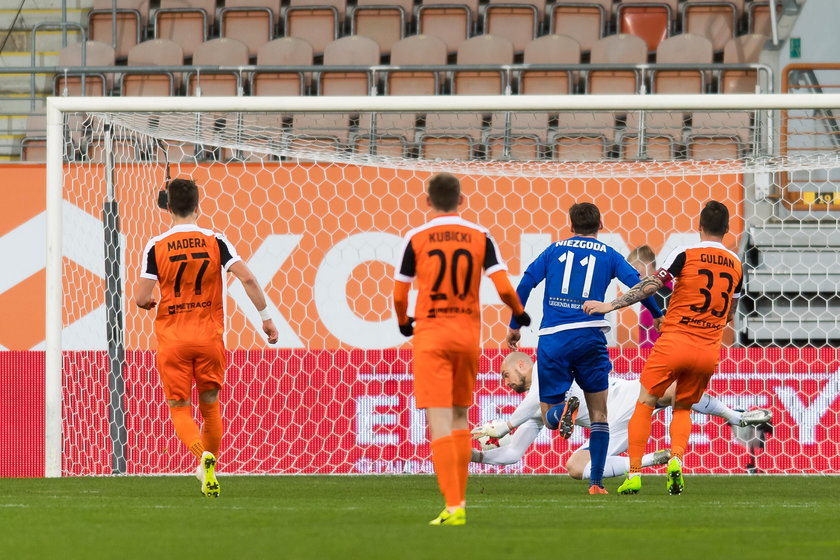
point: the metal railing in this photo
(508, 72)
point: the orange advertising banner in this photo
(321, 239)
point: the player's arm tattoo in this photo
(648, 286)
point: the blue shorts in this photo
(574, 355)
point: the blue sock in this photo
(599, 441)
(553, 416)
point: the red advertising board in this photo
(350, 411)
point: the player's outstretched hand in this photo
(494, 429)
(513, 338)
(271, 331)
(407, 329)
(592, 307)
(523, 319)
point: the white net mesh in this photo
(316, 205)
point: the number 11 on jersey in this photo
(588, 261)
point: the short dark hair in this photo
(183, 197)
(714, 218)
(445, 191)
(585, 218)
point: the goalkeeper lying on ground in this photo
(519, 373)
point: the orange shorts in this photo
(674, 358)
(444, 378)
(179, 364)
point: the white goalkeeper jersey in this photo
(621, 401)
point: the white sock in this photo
(712, 405)
(647, 460)
(614, 466)
(617, 465)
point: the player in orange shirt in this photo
(446, 257)
(188, 262)
(707, 278)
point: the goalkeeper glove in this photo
(493, 429)
(407, 329)
(523, 319)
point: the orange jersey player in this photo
(187, 262)
(446, 257)
(707, 283)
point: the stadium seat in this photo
(331, 131)
(717, 21)
(656, 147)
(94, 54)
(523, 135)
(187, 22)
(682, 49)
(412, 51)
(578, 147)
(400, 128)
(724, 132)
(316, 21)
(132, 17)
(483, 49)
(516, 20)
(33, 146)
(648, 20)
(451, 136)
(155, 52)
(287, 51)
(517, 136)
(384, 21)
(459, 134)
(218, 52)
(758, 17)
(585, 22)
(740, 50)
(250, 21)
(452, 22)
(713, 148)
(354, 50)
(549, 49)
(616, 49)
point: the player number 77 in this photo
(182, 258)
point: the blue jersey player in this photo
(572, 344)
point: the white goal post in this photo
(772, 159)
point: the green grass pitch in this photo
(737, 517)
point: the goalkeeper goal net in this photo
(316, 193)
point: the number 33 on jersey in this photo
(708, 279)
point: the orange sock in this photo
(680, 431)
(211, 429)
(638, 431)
(186, 429)
(445, 461)
(463, 452)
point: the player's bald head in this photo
(513, 358)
